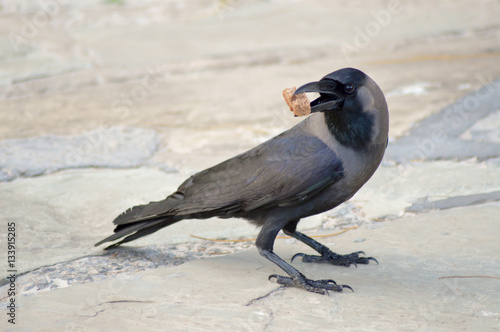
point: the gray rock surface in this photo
(448, 134)
(114, 147)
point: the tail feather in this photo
(145, 212)
(135, 231)
(142, 220)
(122, 232)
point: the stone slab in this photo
(438, 271)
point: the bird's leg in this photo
(327, 256)
(265, 242)
(298, 279)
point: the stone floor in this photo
(109, 104)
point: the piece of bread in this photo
(299, 104)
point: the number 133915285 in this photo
(11, 245)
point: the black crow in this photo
(311, 168)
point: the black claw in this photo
(335, 259)
(347, 286)
(316, 286)
(297, 255)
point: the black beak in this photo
(328, 100)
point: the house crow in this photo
(308, 169)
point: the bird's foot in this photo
(317, 286)
(328, 256)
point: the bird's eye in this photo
(349, 88)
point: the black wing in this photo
(285, 170)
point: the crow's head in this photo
(354, 106)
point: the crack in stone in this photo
(262, 297)
(124, 301)
(94, 315)
(271, 319)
